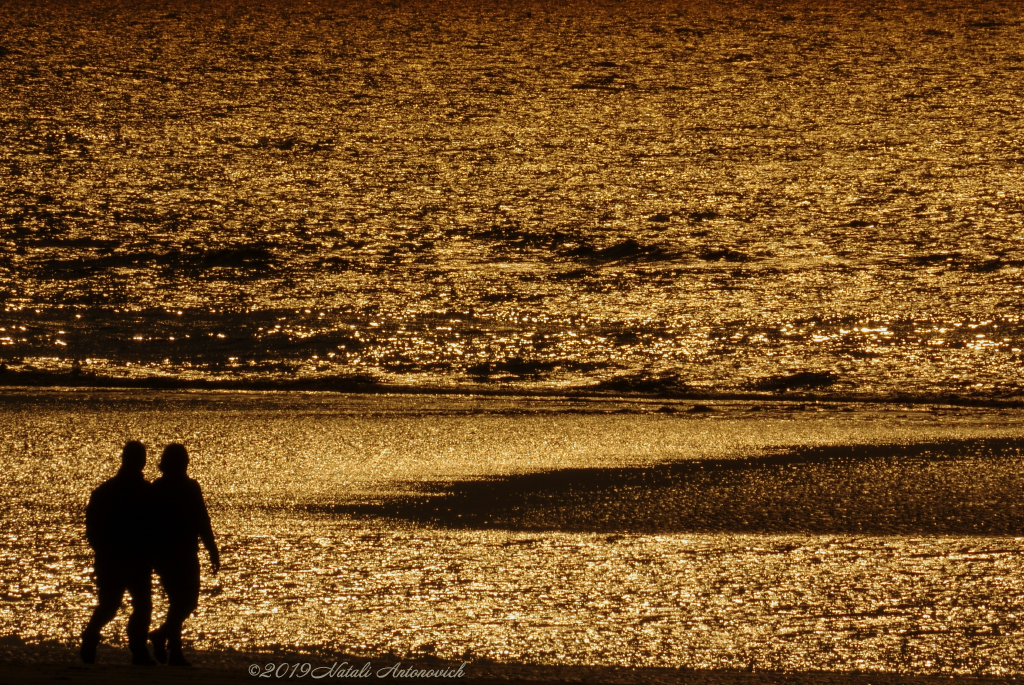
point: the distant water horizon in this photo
(655, 198)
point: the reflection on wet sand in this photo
(589, 540)
(955, 487)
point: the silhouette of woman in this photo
(181, 522)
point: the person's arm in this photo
(97, 522)
(206, 531)
(211, 548)
(90, 521)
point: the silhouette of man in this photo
(181, 522)
(118, 523)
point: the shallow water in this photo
(650, 195)
(329, 546)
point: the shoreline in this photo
(43, 382)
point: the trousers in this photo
(179, 577)
(114, 575)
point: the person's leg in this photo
(182, 603)
(140, 587)
(181, 582)
(110, 587)
(159, 636)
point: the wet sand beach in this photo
(537, 538)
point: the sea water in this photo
(678, 197)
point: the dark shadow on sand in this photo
(960, 487)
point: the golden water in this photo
(695, 195)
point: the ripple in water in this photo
(689, 199)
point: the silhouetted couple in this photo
(137, 527)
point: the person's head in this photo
(133, 456)
(174, 460)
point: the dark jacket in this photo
(181, 519)
(119, 517)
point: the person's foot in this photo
(88, 650)
(177, 660)
(159, 646)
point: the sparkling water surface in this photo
(340, 525)
(616, 197)
(655, 196)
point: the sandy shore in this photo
(803, 542)
(118, 675)
(46, 664)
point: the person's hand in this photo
(215, 564)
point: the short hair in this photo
(133, 455)
(174, 459)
